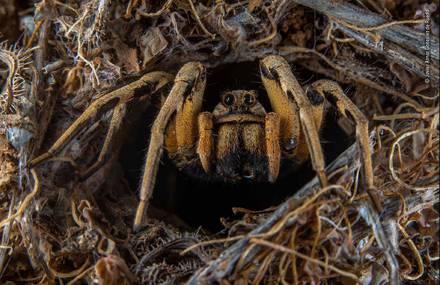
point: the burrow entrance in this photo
(200, 203)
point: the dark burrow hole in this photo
(201, 203)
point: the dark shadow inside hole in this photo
(201, 203)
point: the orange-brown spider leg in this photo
(286, 109)
(334, 94)
(145, 86)
(107, 148)
(317, 102)
(187, 114)
(206, 140)
(273, 151)
(189, 85)
(295, 109)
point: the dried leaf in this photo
(152, 44)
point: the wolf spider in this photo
(238, 139)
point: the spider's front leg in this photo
(185, 101)
(146, 86)
(300, 114)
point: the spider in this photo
(238, 140)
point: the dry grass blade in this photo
(305, 257)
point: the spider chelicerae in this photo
(238, 140)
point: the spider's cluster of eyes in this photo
(229, 99)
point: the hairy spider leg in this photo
(334, 94)
(300, 116)
(107, 148)
(205, 145)
(147, 85)
(184, 100)
(273, 150)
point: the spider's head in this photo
(239, 102)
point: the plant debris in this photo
(56, 57)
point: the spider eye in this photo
(228, 100)
(249, 99)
